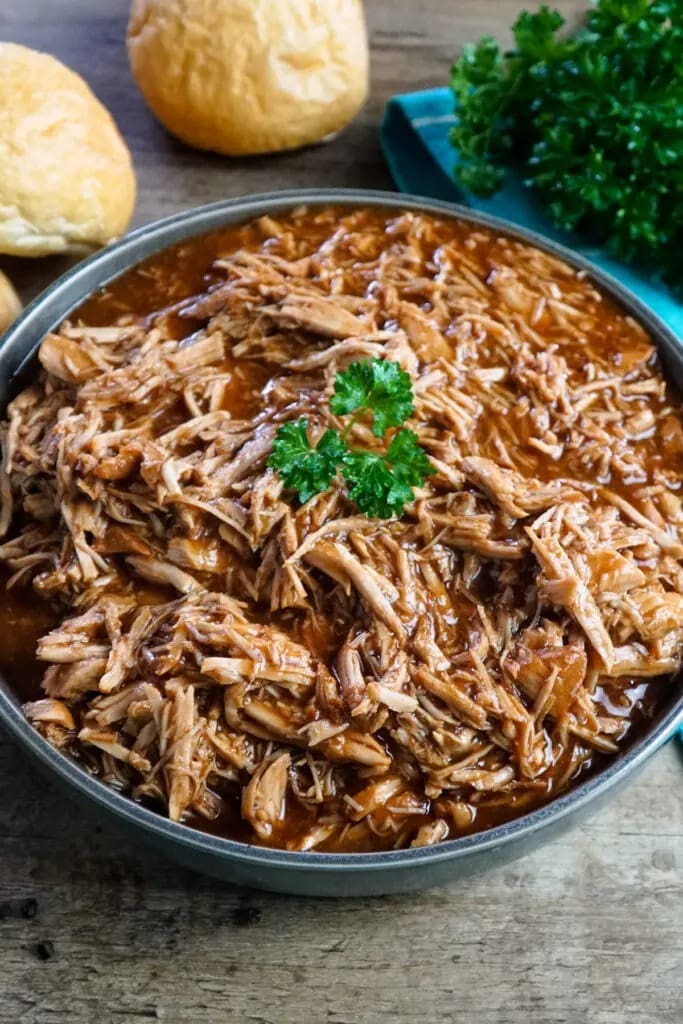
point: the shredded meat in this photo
(304, 676)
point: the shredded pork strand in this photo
(309, 677)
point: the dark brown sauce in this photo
(24, 618)
(165, 282)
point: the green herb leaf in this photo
(378, 385)
(306, 469)
(373, 486)
(593, 119)
(382, 484)
(409, 461)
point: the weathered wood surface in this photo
(586, 931)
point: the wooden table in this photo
(95, 929)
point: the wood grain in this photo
(585, 931)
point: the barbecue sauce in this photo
(162, 287)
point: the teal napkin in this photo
(414, 138)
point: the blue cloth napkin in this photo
(414, 138)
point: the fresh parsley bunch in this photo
(380, 483)
(594, 119)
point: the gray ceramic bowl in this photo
(313, 874)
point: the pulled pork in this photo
(305, 676)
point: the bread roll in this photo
(250, 76)
(10, 306)
(66, 177)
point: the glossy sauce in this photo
(164, 282)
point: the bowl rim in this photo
(69, 291)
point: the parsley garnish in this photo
(409, 460)
(379, 386)
(380, 483)
(308, 470)
(592, 118)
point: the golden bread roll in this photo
(66, 178)
(250, 76)
(10, 306)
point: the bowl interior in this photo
(69, 292)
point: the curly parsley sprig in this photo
(378, 386)
(593, 118)
(302, 467)
(381, 483)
